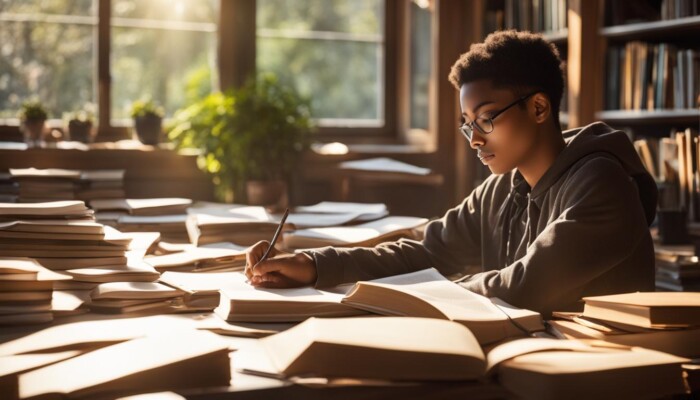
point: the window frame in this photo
(239, 41)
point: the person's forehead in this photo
(475, 94)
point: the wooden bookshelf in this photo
(687, 28)
(689, 117)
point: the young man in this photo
(562, 217)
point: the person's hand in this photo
(280, 269)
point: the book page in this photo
(385, 165)
(455, 302)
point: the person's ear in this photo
(541, 107)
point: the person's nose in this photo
(477, 139)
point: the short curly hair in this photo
(522, 61)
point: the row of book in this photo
(621, 12)
(31, 185)
(677, 268)
(652, 76)
(528, 15)
(674, 162)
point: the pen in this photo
(274, 238)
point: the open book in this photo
(421, 349)
(367, 234)
(383, 164)
(167, 361)
(428, 294)
(419, 294)
(364, 211)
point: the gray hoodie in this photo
(581, 231)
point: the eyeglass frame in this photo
(471, 124)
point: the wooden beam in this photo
(584, 70)
(103, 41)
(452, 36)
(236, 44)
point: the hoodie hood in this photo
(600, 138)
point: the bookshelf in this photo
(584, 35)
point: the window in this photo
(164, 50)
(331, 51)
(47, 52)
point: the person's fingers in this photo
(273, 281)
(270, 265)
(255, 252)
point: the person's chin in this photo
(498, 168)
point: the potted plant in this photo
(79, 125)
(251, 139)
(33, 117)
(148, 121)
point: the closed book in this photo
(647, 309)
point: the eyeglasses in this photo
(485, 123)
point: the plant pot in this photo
(33, 131)
(270, 194)
(149, 129)
(80, 131)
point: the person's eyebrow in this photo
(483, 103)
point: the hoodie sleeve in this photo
(449, 245)
(601, 225)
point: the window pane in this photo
(46, 53)
(331, 50)
(420, 65)
(163, 50)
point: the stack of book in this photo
(8, 188)
(60, 235)
(164, 215)
(677, 268)
(663, 321)
(26, 291)
(206, 258)
(40, 185)
(134, 297)
(172, 228)
(243, 226)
